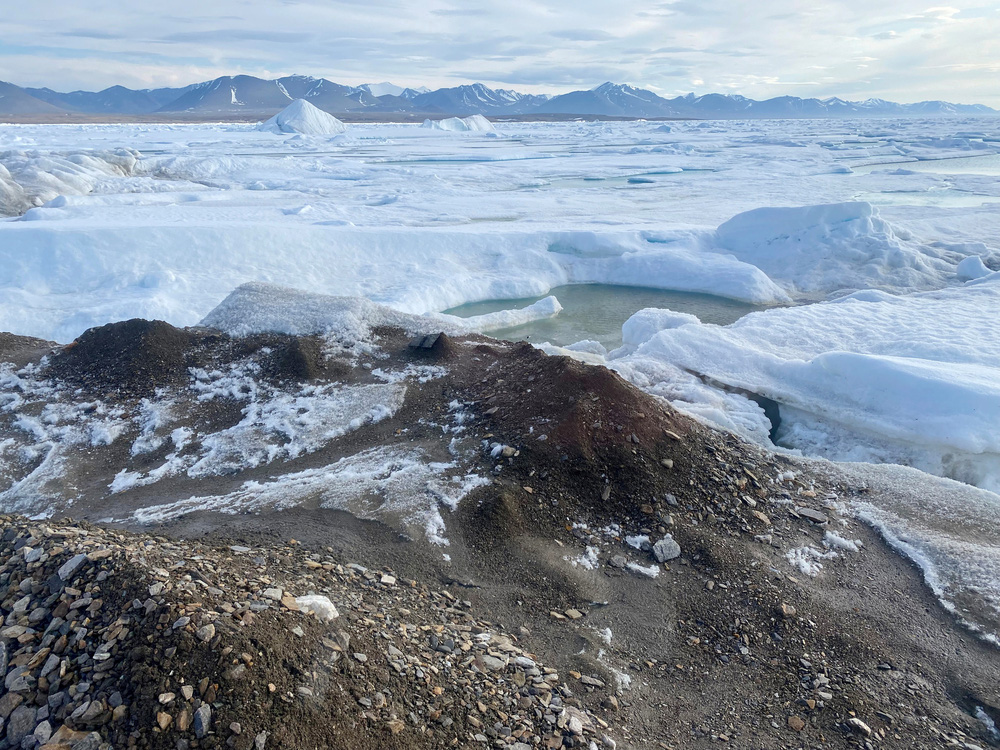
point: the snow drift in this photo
(32, 178)
(473, 123)
(302, 117)
(870, 377)
(821, 249)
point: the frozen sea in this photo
(847, 270)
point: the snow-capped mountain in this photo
(255, 97)
(613, 99)
(477, 99)
(232, 94)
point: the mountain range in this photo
(250, 97)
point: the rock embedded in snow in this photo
(666, 549)
(305, 119)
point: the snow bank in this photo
(258, 308)
(871, 377)
(61, 278)
(33, 178)
(814, 250)
(474, 123)
(302, 117)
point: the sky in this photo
(901, 50)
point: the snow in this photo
(302, 117)
(818, 249)
(412, 491)
(807, 559)
(971, 268)
(649, 571)
(911, 379)
(474, 123)
(258, 308)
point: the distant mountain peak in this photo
(246, 95)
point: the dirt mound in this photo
(134, 357)
(20, 350)
(118, 640)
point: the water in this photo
(597, 311)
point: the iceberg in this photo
(303, 118)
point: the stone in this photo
(20, 724)
(202, 720)
(859, 726)
(93, 712)
(274, 594)
(492, 663)
(66, 736)
(8, 703)
(666, 549)
(43, 732)
(92, 741)
(787, 610)
(164, 720)
(206, 632)
(796, 723)
(71, 566)
(813, 515)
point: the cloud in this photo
(218, 36)
(946, 51)
(582, 35)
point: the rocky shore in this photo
(502, 550)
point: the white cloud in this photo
(909, 51)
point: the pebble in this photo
(666, 549)
(206, 632)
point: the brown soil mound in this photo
(134, 357)
(20, 350)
